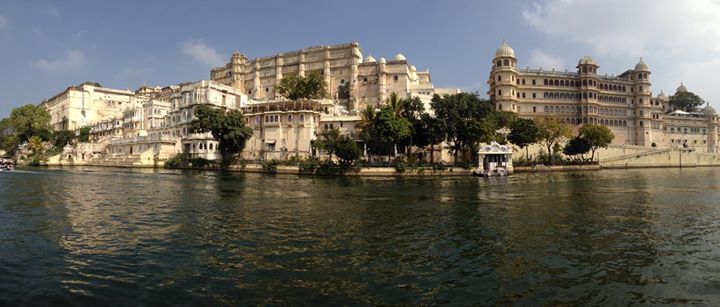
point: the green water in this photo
(87, 236)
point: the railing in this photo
(649, 152)
(144, 139)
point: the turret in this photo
(643, 101)
(712, 122)
(237, 67)
(503, 79)
(587, 79)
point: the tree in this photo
(686, 101)
(296, 87)
(597, 136)
(577, 146)
(28, 121)
(347, 150)
(62, 138)
(328, 141)
(523, 132)
(390, 128)
(550, 132)
(84, 135)
(428, 131)
(456, 112)
(36, 148)
(396, 103)
(226, 127)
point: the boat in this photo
(6, 166)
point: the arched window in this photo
(533, 82)
(499, 92)
(584, 70)
(546, 109)
(557, 83)
(499, 63)
(499, 78)
(545, 82)
(584, 82)
(505, 63)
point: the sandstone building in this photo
(624, 103)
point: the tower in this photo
(643, 99)
(712, 122)
(587, 80)
(237, 67)
(503, 79)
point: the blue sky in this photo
(46, 46)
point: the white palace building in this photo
(624, 103)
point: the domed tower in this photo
(238, 69)
(712, 122)
(587, 79)
(503, 79)
(643, 102)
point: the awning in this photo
(269, 141)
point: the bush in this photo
(181, 160)
(310, 165)
(438, 166)
(400, 166)
(270, 166)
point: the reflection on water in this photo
(87, 235)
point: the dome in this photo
(382, 60)
(399, 57)
(642, 66)
(370, 59)
(662, 96)
(504, 51)
(412, 68)
(681, 88)
(709, 111)
(587, 60)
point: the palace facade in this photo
(624, 103)
(153, 123)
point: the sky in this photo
(46, 46)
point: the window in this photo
(533, 93)
(289, 118)
(533, 83)
(365, 79)
(395, 78)
(499, 78)
(499, 63)
(534, 109)
(499, 92)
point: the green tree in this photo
(36, 150)
(577, 146)
(296, 87)
(460, 112)
(84, 135)
(347, 150)
(597, 136)
(523, 132)
(226, 127)
(328, 141)
(28, 121)
(390, 128)
(686, 101)
(62, 138)
(551, 131)
(428, 131)
(396, 103)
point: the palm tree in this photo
(396, 103)
(367, 117)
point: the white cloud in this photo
(72, 61)
(3, 21)
(620, 27)
(203, 53)
(680, 40)
(538, 58)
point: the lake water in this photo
(129, 237)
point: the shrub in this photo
(310, 165)
(438, 166)
(400, 166)
(270, 166)
(180, 160)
